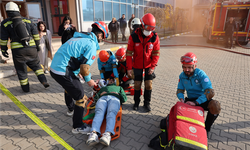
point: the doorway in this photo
(59, 9)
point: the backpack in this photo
(21, 30)
(184, 127)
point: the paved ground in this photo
(229, 73)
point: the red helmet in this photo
(104, 56)
(103, 27)
(189, 58)
(148, 22)
(120, 54)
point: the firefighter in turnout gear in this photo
(72, 60)
(144, 47)
(24, 41)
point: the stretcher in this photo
(90, 113)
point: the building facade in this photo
(82, 12)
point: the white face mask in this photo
(147, 33)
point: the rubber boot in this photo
(26, 88)
(137, 99)
(43, 80)
(147, 99)
(209, 121)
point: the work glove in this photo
(214, 107)
(5, 53)
(38, 48)
(117, 81)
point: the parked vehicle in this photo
(220, 13)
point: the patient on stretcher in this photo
(110, 97)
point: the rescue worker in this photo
(125, 81)
(24, 53)
(135, 23)
(144, 47)
(107, 65)
(77, 54)
(199, 89)
(230, 27)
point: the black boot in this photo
(26, 88)
(147, 99)
(209, 121)
(137, 99)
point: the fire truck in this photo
(220, 13)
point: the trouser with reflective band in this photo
(148, 85)
(210, 117)
(74, 90)
(23, 57)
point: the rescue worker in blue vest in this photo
(72, 60)
(199, 89)
(24, 52)
(107, 65)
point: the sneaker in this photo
(70, 113)
(83, 130)
(105, 139)
(46, 72)
(93, 139)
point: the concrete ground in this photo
(229, 73)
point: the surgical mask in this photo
(147, 33)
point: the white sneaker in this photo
(105, 139)
(82, 130)
(70, 113)
(46, 72)
(93, 139)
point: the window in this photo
(123, 10)
(116, 10)
(108, 11)
(135, 1)
(141, 12)
(129, 11)
(129, 1)
(141, 2)
(123, 1)
(116, 0)
(87, 9)
(98, 11)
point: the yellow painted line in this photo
(35, 118)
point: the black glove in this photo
(38, 48)
(5, 53)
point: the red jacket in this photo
(145, 51)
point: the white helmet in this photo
(134, 22)
(102, 83)
(11, 6)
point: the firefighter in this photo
(199, 89)
(107, 65)
(125, 81)
(24, 52)
(230, 27)
(144, 47)
(72, 60)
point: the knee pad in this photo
(137, 85)
(214, 107)
(84, 69)
(82, 102)
(148, 84)
(209, 93)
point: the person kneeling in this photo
(109, 98)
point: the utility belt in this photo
(16, 44)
